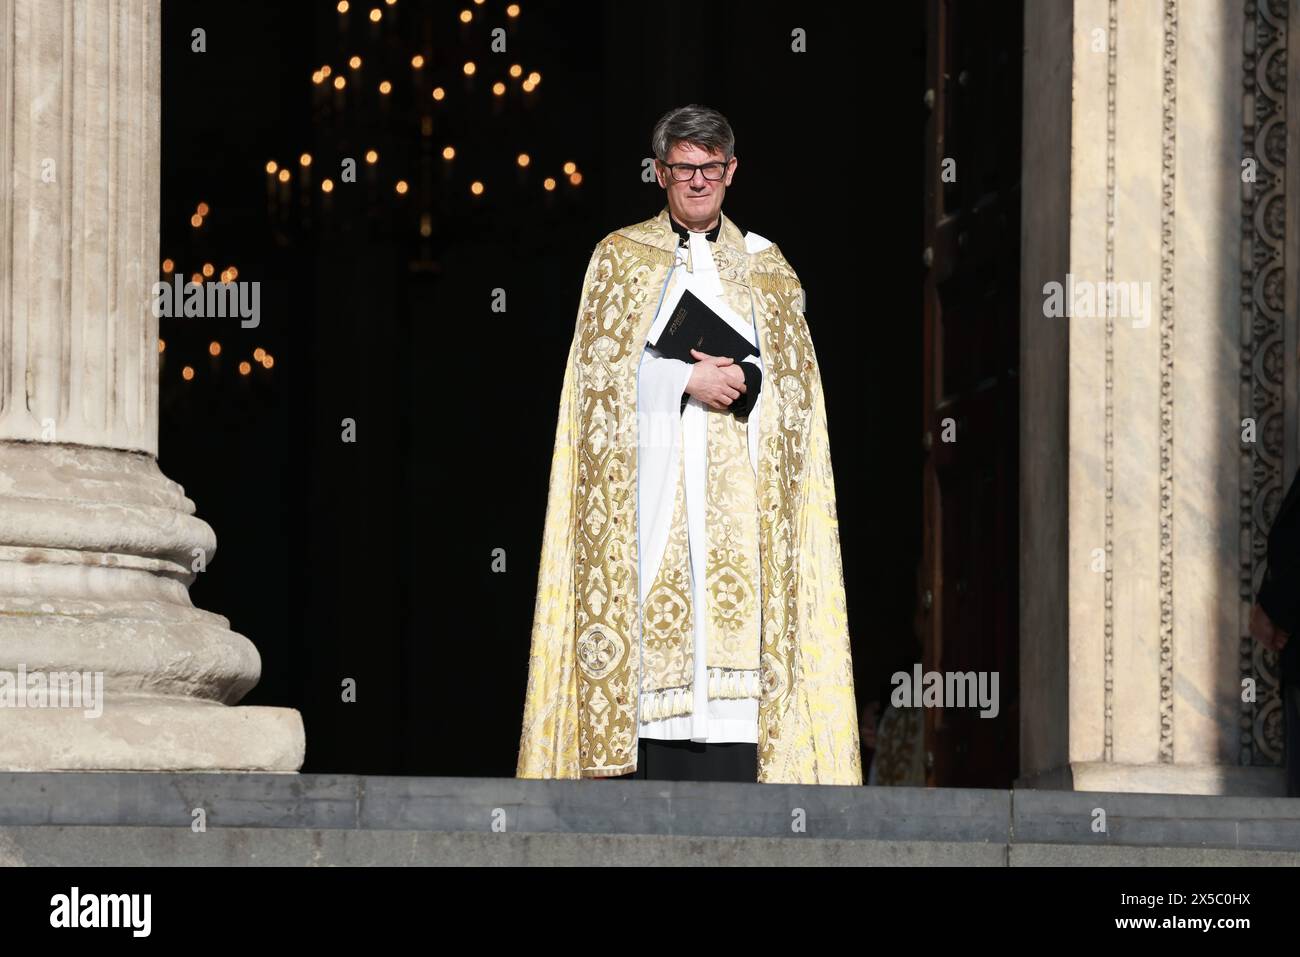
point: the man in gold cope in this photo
(690, 619)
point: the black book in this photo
(694, 325)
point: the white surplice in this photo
(663, 435)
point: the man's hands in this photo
(1264, 631)
(715, 380)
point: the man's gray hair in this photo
(695, 125)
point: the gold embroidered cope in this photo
(589, 660)
(731, 585)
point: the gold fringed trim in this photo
(723, 683)
(667, 703)
(733, 683)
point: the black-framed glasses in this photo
(683, 172)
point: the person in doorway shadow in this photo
(1274, 618)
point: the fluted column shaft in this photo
(80, 207)
(97, 546)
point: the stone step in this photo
(291, 819)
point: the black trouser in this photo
(658, 760)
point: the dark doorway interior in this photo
(969, 572)
(373, 560)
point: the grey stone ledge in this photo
(889, 816)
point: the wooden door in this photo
(969, 575)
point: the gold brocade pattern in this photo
(731, 572)
(736, 296)
(667, 688)
(586, 646)
(731, 585)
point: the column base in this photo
(152, 734)
(1222, 779)
(105, 665)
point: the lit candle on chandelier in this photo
(466, 30)
(304, 177)
(372, 180)
(283, 177)
(272, 167)
(214, 352)
(448, 154)
(339, 84)
(327, 197)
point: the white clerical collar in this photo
(701, 254)
(684, 235)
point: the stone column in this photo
(1144, 495)
(97, 546)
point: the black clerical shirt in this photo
(743, 404)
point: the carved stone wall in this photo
(1175, 189)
